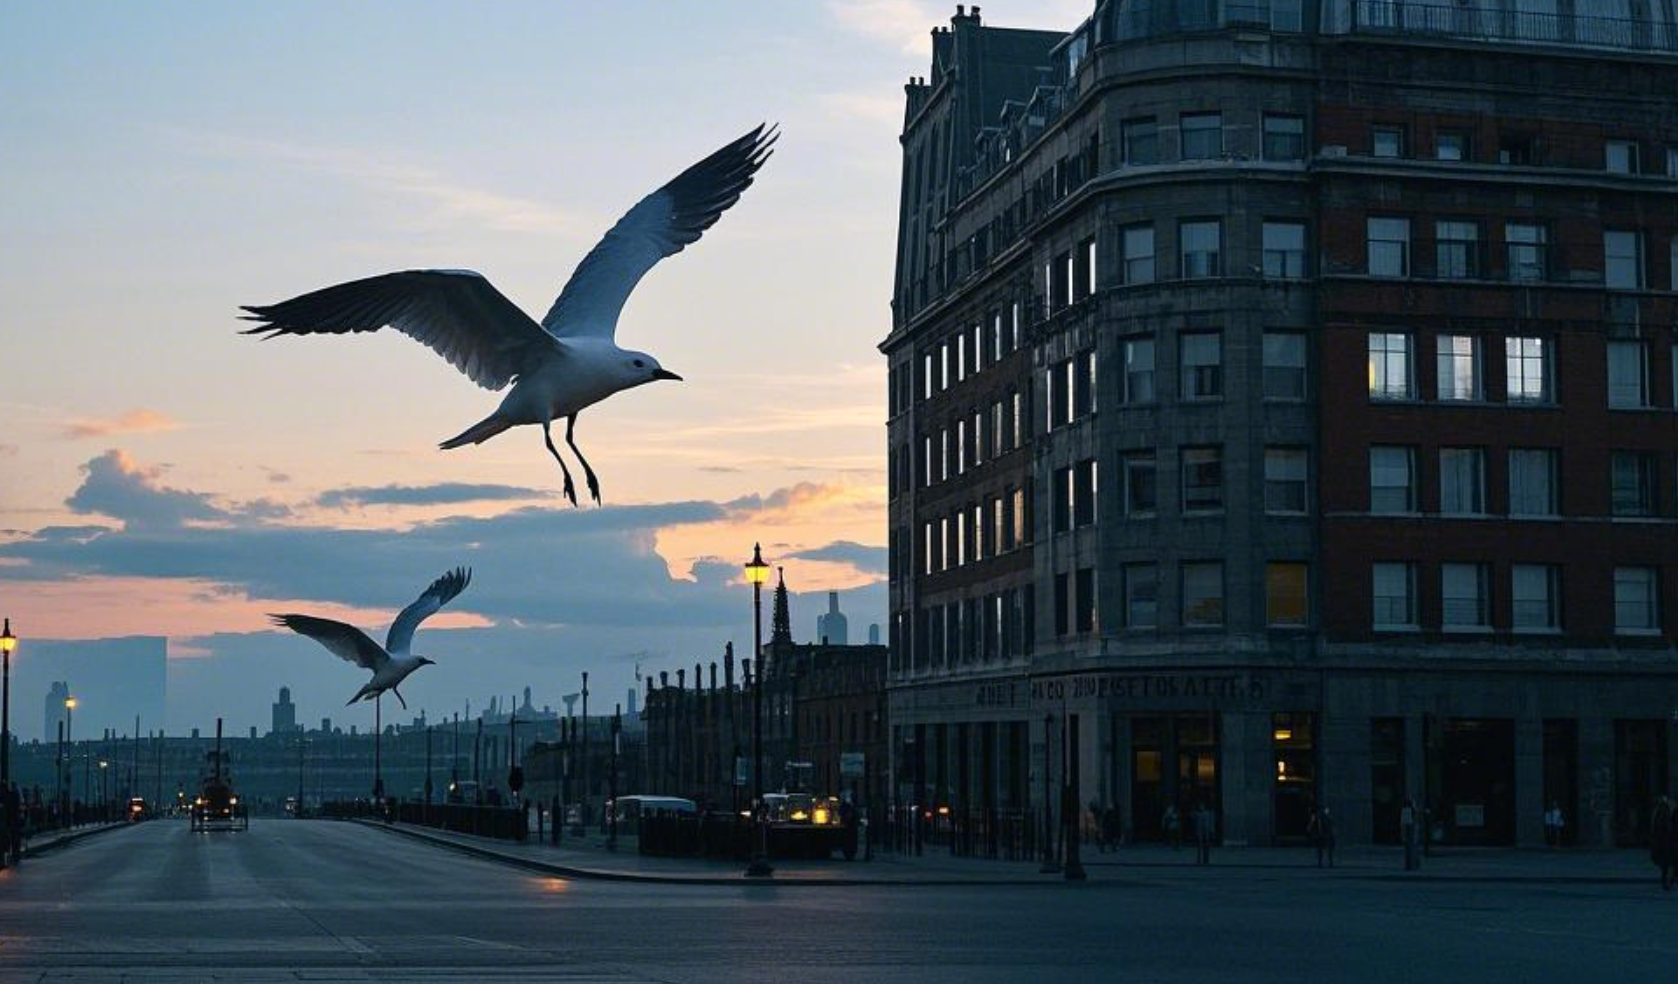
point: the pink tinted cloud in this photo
(141, 420)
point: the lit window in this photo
(1285, 594)
(1459, 367)
(1526, 363)
(1389, 366)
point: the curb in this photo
(36, 850)
(599, 874)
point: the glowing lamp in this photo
(8, 642)
(70, 702)
(757, 572)
(1284, 734)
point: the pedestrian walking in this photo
(1663, 841)
(1553, 824)
(1205, 828)
(1172, 824)
(1321, 829)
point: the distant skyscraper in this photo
(111, 679)
(57, 694)
(285, 714)
(832, 628)
(874, 634)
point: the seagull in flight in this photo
(392, 662)
(571, 360)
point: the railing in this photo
(1530, 27)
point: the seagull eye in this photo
(639, 364)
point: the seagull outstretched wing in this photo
(441, 592)
(344, 641)
(456, 313)
(660, 225)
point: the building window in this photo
(1284, 480)
(1202, 136)
(1672, 263)
(1526, 363)
(1459, 367)
(1620, 157)
(1083, 493)
(1284, 595)
(1392, 479)
(1465, 596)
(1287, 15)
(1139, 370)
(1021, 532)
(1284, 250)
(1636, 610)
(1622, 260)
(1201, 364)
(1200, 243)
(1456, 249)
(1083, 274)
(1387, 141)
(1672, 162)
(1284, 365)
(1061, 492)
(1633, 483)
(1519, 149)
(1139, 254)
(1462, 481)
(1628, 375)
(961, 446)
(1140, 488)
(1063, 604)
(1529, 260)
(1532, 482)
(1394, 595)
(1452, 145)
(1535, 597)
(1203, 594)
(1141, 140)
(1141, 596)
(1203, 479)
(1083, 620)
(1389, 366)
(1284, 138)
(1389, 247)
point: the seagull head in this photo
(642, 368)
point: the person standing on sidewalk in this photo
(1663, 841)
(1321, 829)
(1553, 823)
(1205, 828)
(1173, 825)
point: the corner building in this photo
(1284, 410)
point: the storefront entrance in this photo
(1639, 777)
(1174, 761)
(1294, 751)
(1471, 780)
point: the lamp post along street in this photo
(757, 572)
(378, 740)
(617, 732)
(8, 642)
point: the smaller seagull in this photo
(390, 663)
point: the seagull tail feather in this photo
(479, 432)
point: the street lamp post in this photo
(617, 735)
(378, 746)
(8, 642)
(104, 788)
(757, 572)
(302, 744)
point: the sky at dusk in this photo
(164, 163)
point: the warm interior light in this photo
(821, 815)
(757, 572)
(8, 642)
(70, 702)
(1284, 734)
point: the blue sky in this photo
(164, 163)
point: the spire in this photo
(781, 633)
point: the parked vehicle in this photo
(628, 810)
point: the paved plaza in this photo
(340, 901)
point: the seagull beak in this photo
(666, 374)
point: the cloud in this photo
(864, 558)
(902, 24)
(116, 486)
(141, 420)
(447, 196)
(440, 494)
(8, 450)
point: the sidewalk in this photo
(587, 857)
(52, 840)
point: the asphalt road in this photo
(289, 901)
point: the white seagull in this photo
(392, 662)
(568, 362)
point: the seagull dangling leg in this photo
(588, 473)
(399, 699)
(547, 436)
